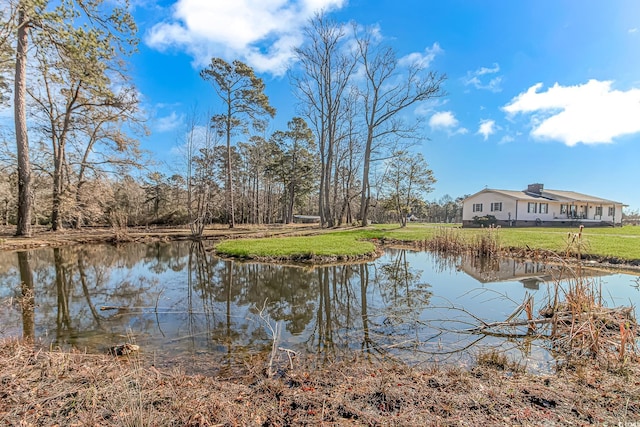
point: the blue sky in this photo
(538, 91)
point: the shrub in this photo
(485, 221)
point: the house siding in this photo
(515, 212)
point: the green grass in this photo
(326, 245)
(621, 242)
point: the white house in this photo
(537, 206)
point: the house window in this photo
(563, 209)
(612, 210)
(532, 207)
(544, 208)
(477, 207)
(598, 210)
(573, 211)
(496, 207)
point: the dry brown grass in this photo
(54, 388)
(584, 327)
(452, 241)
(487, 243)
(447, 240)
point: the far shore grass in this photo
(323, 245)
(621, 243)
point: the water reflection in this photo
(178, 300)
(531, 274)
(27, 302)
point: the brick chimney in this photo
(535, 188)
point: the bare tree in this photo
(85, 39)
(389, 90)
(293, 163)
(408, 179)
(242, 94)
(200, 145)
(104, 144)
(257, 155)
(327, 66)
(74, 106)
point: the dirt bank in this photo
(51, 388)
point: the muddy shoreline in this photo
(62, 388)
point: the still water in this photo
(182, 304)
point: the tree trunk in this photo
(56, 221)
(365, 198)
(78, 220)
(25, 196)
(232, 219)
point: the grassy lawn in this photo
(328, 244)
(622, 242)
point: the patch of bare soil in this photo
(73, 389)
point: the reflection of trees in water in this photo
(405, 295)
(27, 302)
(65, 282)
(374, 307)
(160, 257)
(400, 283)
(289, 292)
(63, 289)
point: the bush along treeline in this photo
(160, 199)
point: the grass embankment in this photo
(609, 244)
(339, 246)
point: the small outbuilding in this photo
(306, 219)
(536, 206)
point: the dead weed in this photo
(56, 388)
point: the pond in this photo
(182, 304)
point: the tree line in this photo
(72, 158)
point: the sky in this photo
(542, 91)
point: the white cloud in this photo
(168, 123)
(633, 30)
(259, 32)
(445, 120)
(506, 139)
(422, 60)
(589, 113)
(476, 79)
(429, 106)
(484, 70)
(487, 128)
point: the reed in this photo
(582, 326)
(447, 239)
(486, 243)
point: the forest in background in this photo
(72, 157)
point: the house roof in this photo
(519, 195)
(572, 196)
(551, 195)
